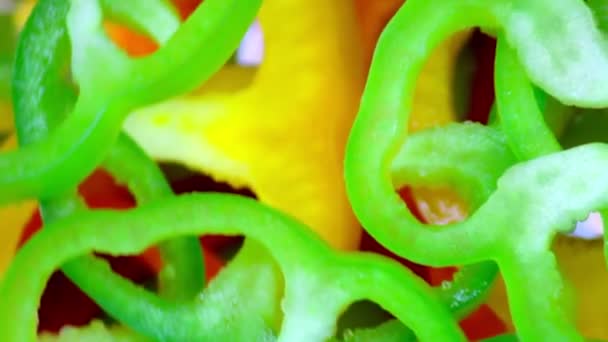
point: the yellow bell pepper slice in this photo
(281, 129)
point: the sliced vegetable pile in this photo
(103, 91)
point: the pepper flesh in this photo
(48, 115)
(7, 49)
(379, 120)
(300, 265)
(274, 135)
(520, 115)
(165, 143)
(37, 116)
(36, 176)
(433, 106)
(62, 304)
(443, 60)
(433, 99)
(15, 216)
(536, 175)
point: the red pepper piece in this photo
(186, 7)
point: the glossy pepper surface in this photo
(297, 293)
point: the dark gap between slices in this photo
(183, 180)
(483, 48)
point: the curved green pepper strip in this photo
(132, 167)
(534, 192)
(39, 80)
(379, 130)
(470, 158)
(560, 47)
(198, 49)
(474, 157)
(517, 249)
(254, 281)
(467, 157)
(523, 254)
(37, 115)
(472, 284)
(110, 291)
(521, 119)
(528, 134)
(183, 274)
(319, 282)
(559, 44)
(556, 116)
